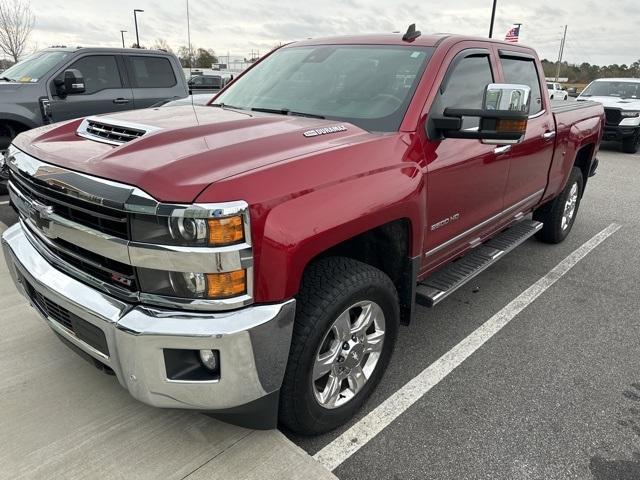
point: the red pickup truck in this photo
(255, 257)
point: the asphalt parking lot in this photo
(555, 394)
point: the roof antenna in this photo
(411, 33)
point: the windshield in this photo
(367, 85)
(550, 86)
(612, 89)
(32, 68)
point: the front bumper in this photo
(620, 132)
(253, 342)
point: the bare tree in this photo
(16, 23)
(162, 44)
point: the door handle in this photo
(502, 150)
(549, 135)
(121, 100)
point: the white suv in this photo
(557, 92)
(621, 100)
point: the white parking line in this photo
(335, 453)
(5, 202)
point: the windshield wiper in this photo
(286, 111)
(224, 105)
(7, 79)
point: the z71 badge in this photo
(325, 130)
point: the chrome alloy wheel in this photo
(570, 206)
(348, 354)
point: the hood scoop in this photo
(114, 132)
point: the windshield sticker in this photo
(415, 54)
(325, 130)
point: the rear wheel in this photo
(346, 324)
(631, 144)
(559, 215)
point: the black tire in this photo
(329, 287)
(631, 144)
(551, 214)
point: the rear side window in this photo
(152, 72)
(100, 72)
(523, 71)
(464, 87)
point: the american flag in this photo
(513, 33)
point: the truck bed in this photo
(570, 106)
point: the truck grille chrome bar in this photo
(69, 219)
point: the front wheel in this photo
(560, 213)
(347, 317)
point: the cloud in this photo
(597, 33)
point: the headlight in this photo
(189, 227)
(212, 286)
(629, 114)
(196, 229)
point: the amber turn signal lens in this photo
(225, 285)
(226, 231)
(516, 126)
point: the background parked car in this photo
(556, 92)
(211, 83)
(63, 83)
(621, 100)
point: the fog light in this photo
(209, 359)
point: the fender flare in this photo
(303, 227)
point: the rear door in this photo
(529, 160)
(152, 79)
(466, 178)
(105, 89)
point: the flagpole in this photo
(493, 17)
(564, 37)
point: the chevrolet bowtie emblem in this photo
(40, 215)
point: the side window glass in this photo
(99, 71)
(465, 87)
(152, 72)
(523, 71)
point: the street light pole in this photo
(135, 20)
(493, 17)
(122, 32)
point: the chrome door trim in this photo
(484, 223)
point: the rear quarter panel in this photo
(575, 129)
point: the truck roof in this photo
(138, 51)
(630, 80)
(425, 40)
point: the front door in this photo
(465, 178)
(105, 90)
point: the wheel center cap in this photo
(354, 356)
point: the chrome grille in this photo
(112, 132)
(102, 219)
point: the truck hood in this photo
(186, 148)
(616, 102)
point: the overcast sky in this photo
(597, 31)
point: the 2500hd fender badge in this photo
(446, 221)
(325, 130)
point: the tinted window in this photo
(99, 71)
(524, 72)
(464, 87)
(152, 72)
(368, 85)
